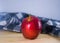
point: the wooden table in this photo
(12, 37)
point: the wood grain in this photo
(12, 37)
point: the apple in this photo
(31, 27)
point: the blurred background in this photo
(43, 8)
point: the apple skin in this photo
(32, 28)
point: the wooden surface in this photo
(12, 37)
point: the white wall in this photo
(44, 8)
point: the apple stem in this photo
(29, 18)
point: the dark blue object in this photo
(56, 32)
(12, 21)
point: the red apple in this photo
(31, 27)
